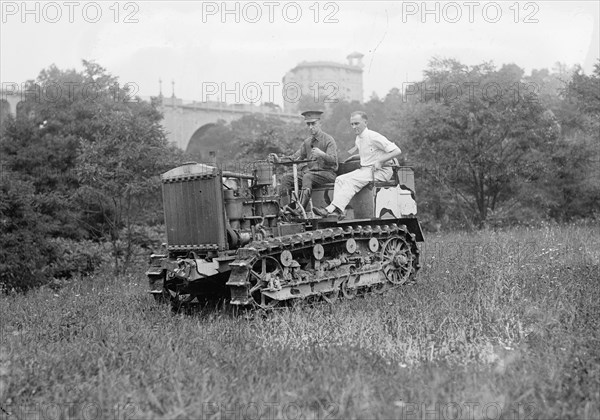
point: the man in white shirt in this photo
(375, 151)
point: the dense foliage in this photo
(248, 139)
(79, 161)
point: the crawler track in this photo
(324, 263)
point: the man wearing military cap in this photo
(321, 149)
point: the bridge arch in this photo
(182, 121)
(195, 143)
(197, 136)
(212, 137)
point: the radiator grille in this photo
(194, 213)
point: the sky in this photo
(208, 46)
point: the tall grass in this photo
(499, 325)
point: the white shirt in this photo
(372, 146)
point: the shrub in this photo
(78, 258)
(25, 253)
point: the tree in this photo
(575, 175)
(80, 136)
(118, 172)
(585, 90)
(481, 145)
(257, 136)
(25, 252)
(548, 86)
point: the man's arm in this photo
(332, 152)
(274, 158)
(298, 154)
(387, 157)
(391, 149)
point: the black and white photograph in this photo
(299, 210)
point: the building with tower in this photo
(324, 82)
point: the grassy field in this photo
(499, 325)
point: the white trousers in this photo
(347, 185)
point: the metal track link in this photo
(259, 278)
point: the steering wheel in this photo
(292, 162)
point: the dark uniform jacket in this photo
(324, 142)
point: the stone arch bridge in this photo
(182, 120)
